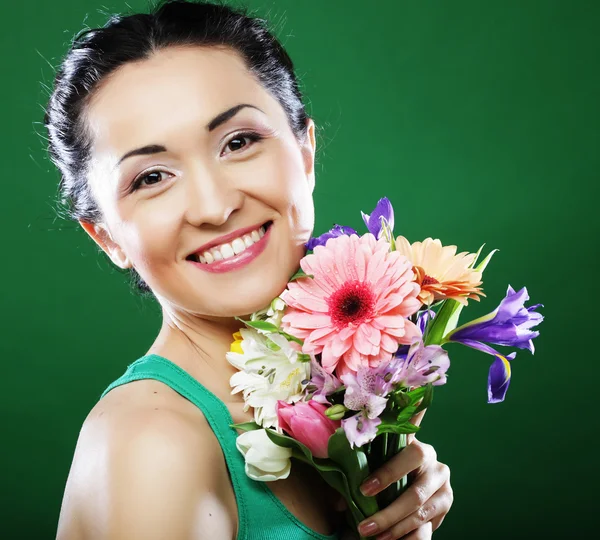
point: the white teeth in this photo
(238, 246)
(226, 251)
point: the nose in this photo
(211, 196)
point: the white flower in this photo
(265, 461)
(269, 370)
(276, 311)
(272, 314)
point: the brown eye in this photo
(240, 141)
(236, 144)
(152, 177)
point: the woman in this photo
(176, 133)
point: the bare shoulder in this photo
(147, 465)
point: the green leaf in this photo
(329, 471)
(445, 321)
(427, 398)
(472, 265)
(407, 427)
(416, 394)
(482, 265)
(354, 464)
(262, 325)
(447, 317)
(300, 274)
(271, 345)
(289, 337)
(246, 426)
(303, 357)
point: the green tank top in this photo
(261, 515)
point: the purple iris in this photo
(509, 324)
(499, 377)
(423, 319)
(337, 230)
(374, 223)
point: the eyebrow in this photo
(221, 118)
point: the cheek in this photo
(286, 188)
(152, 231)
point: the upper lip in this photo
(227, 237)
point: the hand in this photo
(422, 507)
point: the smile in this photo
(231, 255)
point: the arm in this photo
(153, 475)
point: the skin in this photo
(155, 466)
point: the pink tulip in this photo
(306, 422)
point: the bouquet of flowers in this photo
(336, 367)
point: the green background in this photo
(479, 120)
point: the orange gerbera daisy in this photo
(440, 272)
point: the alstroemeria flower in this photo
(509, 324)
(337, 230)
(360, 429)
(365, 393)
(375, 221)
(420, 366)
(321, 384)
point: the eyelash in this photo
(250, 135)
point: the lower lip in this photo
(239, 260)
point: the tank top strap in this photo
(153, 366)
(261, 515)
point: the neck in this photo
(198, 345)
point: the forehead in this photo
(177, 87)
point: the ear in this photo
(101, 235)
(308, 153)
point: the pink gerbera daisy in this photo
(354, 311)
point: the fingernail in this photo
(371, 486)
(368, 528)
(385, 536)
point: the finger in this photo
(415, 420)
(405, 509)
(436, 522)
(424, 532)
(437, 505)
(447, 488)
(412, 457)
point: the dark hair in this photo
(97, 52)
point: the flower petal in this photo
(499, 377)
(360, 430)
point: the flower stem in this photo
(395, 444)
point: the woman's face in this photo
(205, 176)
